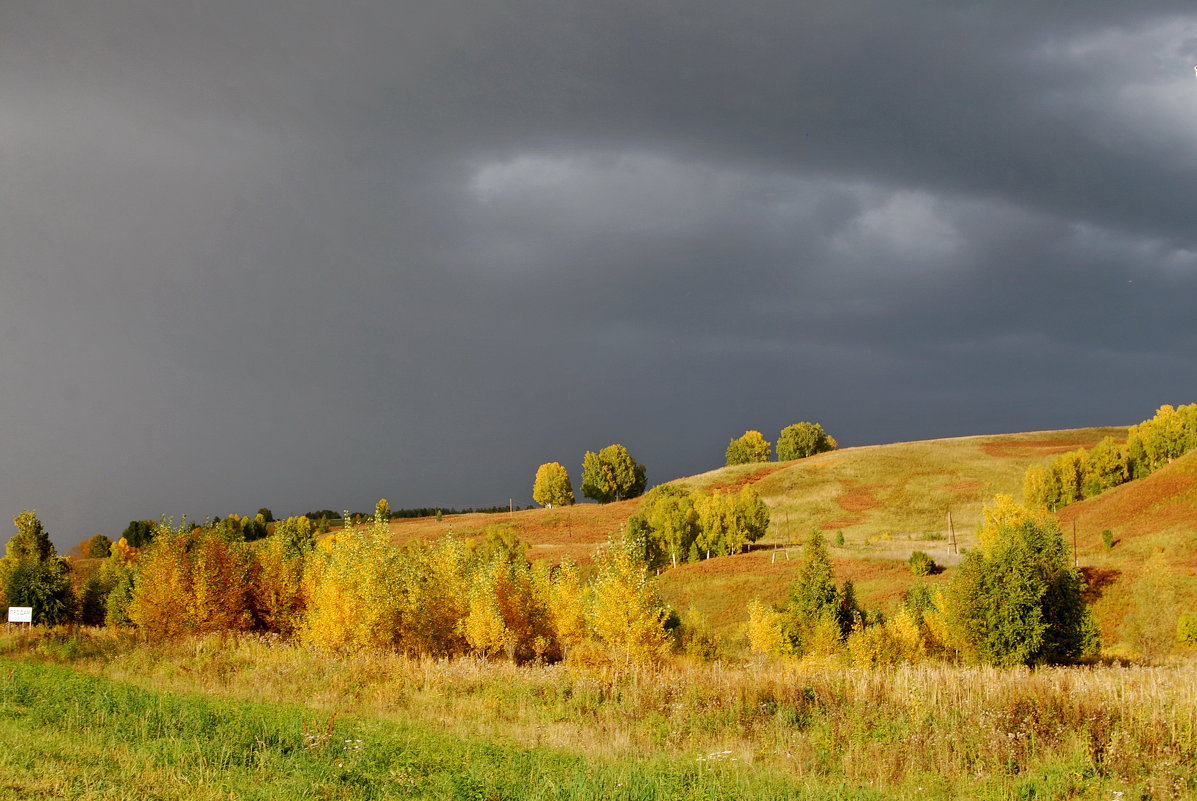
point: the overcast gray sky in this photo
(305, 255)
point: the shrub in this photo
(31, 574)
(1107, 539)
(1186, 630)
(921, 564)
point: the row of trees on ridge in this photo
(796, 441)
(1080, 474)
(609, 475)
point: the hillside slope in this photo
(1154, 524)
(885, 498)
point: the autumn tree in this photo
(32, 574)
(668, 524)
(31, 539)
(161, 588)
(800, 440)
(612, 475)
(509, 610)
(118, 574)
(354, 588)
(1040, 488)
(626, 613)
(96, 547)
(1106, 466)
(727, 522)
(749, 448)
(552, 486)
(192, 580)
(278, 599)
(566, 605)
(1016, 600)
(678, 525)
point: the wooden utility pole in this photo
(951, 534)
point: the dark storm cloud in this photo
(306, 255)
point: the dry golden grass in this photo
(573, 531)
(1087, 729)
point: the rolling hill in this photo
(888, 500)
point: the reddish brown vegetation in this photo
(750, 478)
(859, 498)
(1005, 449)
(1164, 500)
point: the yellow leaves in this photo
(552, 486)
(122, 553)
(190, 582)
(766, 634)
(626, 614)
(356, 590)
(160, 595)
(749, 448)
(1004, 513)
(278, 585)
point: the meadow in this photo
(100, 714)
(116, 713)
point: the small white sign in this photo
(20, 614)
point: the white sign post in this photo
(20, 614)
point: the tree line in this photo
(1084, 473)
(353, 589)
(1014, 600)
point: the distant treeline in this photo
(1082, 473)
(415, 511)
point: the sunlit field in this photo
(102, 715)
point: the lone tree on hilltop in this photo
(751, 447)
(612, 475)
(552, 486)
(800, 440)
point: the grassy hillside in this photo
(1154, 523)
(876, 495)
(889, 500)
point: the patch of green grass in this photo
(65, 734)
